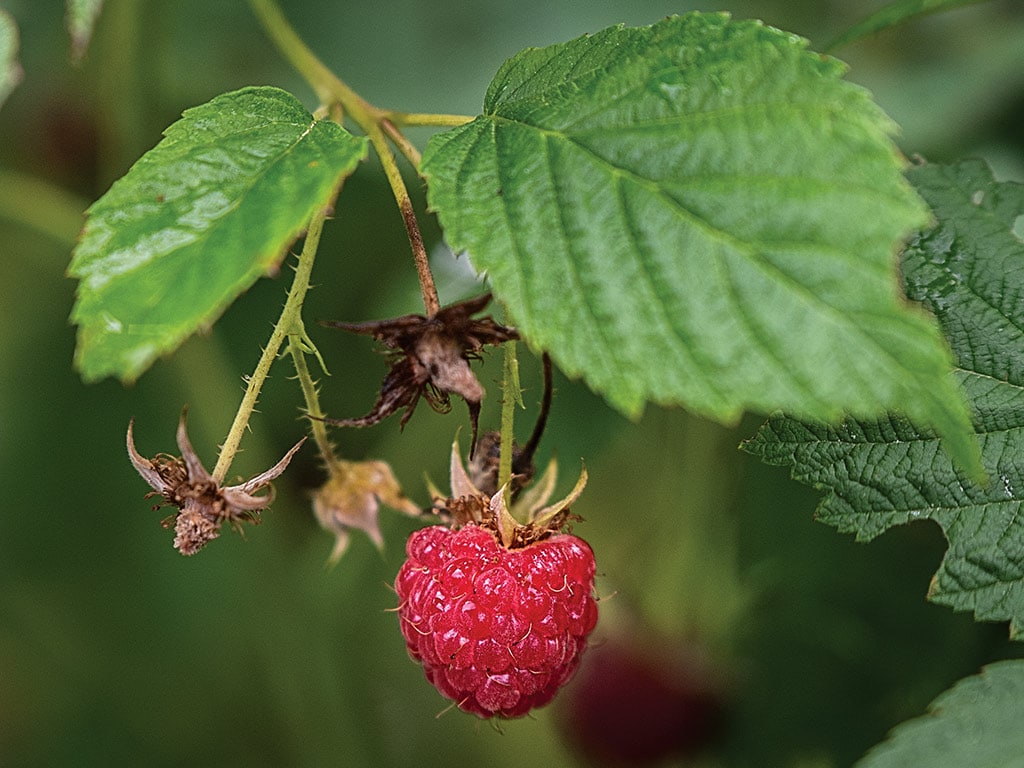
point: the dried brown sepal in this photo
(526, 520)
(431, 359)
(203, 504)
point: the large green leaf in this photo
(700, 212)
(197, 220)
(969, 270)
(10, 69)
(893, 14)
(975, 723)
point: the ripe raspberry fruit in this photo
(497, 610)
(497, 630)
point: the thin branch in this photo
(298, 345)
(404, 145)
(331, 89)
(427, 119)
(431, 303)
(288, 322)
(328, 86)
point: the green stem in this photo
(405, 146)
(289, 324)
(330, 89)
(298, 346)
(427, 119)
(510, 397)
(328, 86)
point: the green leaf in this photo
(893, 14)
(10, 69)
(969, 270)
(703, 213)
(81, 18)
(975, 723)
(197, 220)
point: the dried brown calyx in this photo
(351, 499)
(431, 359)
(529, 518)
(203, 503)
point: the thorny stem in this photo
(298, 346)
(377, 124)
(289, 324)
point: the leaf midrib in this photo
(244, 191)
(745, 250)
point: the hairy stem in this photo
(290, 323)
(330, 89)
(299, 346)
(431, 302)
(375, 133)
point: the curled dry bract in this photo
(203, 503)
(432, 359)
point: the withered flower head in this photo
(351, 498)
(431, 358)
(203, 504)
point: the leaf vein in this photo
(610, 350)
(684, 345)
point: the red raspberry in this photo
(497, 630)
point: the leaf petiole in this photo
(405, 146)
(379, 125)
(427, 119)
(375, 133)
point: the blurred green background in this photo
(115, 650)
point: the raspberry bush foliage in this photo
(704, 214)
